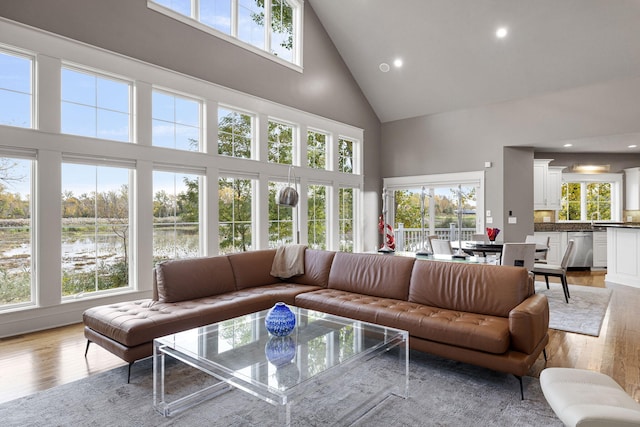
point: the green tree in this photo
(188, 202)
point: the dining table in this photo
(472, 247)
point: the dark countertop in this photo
(581, 226)
(618, 225)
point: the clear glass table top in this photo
(241, 348)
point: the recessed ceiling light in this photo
(397, 63)
(633, 146)
(384, 67)
(568, 145)
(502, 32)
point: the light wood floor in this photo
(38, 361)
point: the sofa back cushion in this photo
(253, 268)
(186, 279)
(317, 265)
(484, 289)
(383, 276)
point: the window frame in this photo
(252, 146)
(131, 259)
(176, 95)
(107, 76)
(33, 95)
(615, 179)
(31, 156)
(298, 33)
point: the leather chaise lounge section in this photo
(484, 315)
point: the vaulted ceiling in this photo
(452, 59)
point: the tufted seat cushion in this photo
(469, 330)
(137, 322)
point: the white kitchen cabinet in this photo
(547, 185)
(599, 249)
(554, 254)
(554, 187)
(632, 189)
(540, 172)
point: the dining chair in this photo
(541, 257)
(519, 255)
(479, 238)
(554, 270)
(441, 247)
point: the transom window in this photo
(345, 155)
(16, 89)
(271, 26)
(317, 150)
(95, 105)
(176, 122)
(235, 133)
(280, 143)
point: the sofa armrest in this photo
(529, 323)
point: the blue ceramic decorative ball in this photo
(280, 320)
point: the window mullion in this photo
(267, 25)
(234, 18)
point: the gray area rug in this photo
(441, 393)
(583, 314)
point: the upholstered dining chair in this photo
(441, 247)
(519, 255)
(541, 257)
(553, 270)
(479, 237)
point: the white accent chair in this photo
(541, 257)
(560, 271)
(586, 398)
(519, 255)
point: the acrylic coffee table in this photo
(324, 352)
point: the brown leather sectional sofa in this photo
(485, 315)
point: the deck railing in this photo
(410, 239)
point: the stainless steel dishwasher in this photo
(582, 249)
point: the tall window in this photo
(95, 105)
(235, 133)
(317, 217)
(176, 215)
(441, 209)
(269, 25)
(317, 150)
(346, 219)
(280, 219)
(176, 122)
(15, 232)
(235, 214)
(586, 201)
(280, 143)
(16, 89)
(95, 228)
(345, 155)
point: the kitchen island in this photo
(623, 253)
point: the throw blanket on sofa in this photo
(288, 261)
